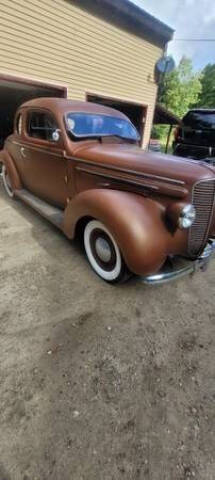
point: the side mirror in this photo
(56, 135)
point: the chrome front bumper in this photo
(177, 267)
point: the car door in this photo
(44, 166)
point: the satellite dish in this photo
(166, 64)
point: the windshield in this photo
(200, 120)
(95, 125)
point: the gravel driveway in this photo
(99, 382)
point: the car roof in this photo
(63, 106)
(202, 110)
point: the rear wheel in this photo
(7, 182)
(103, 253)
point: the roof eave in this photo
(137, 18)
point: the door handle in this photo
(22, 150)
(104, 184)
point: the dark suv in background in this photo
(195, 137)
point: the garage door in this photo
(14, 91)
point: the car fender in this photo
(136, 223)
(7, 160)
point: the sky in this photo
(189, 19)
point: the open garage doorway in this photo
(135, 112)
(14, 91)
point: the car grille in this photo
(203, 200)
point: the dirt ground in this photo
(99, 382)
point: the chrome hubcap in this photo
(103, 249)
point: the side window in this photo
(41, 125)
(19, 124)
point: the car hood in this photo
(135, 161)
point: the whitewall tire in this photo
(6, 182)
(103, 253)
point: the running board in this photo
(53, 214)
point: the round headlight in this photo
(187, 216)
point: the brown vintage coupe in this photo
(80, 165)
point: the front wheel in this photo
(6, 182)
(103, 253)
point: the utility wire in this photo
(193, 40)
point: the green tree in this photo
(207, 97)
(181, 88)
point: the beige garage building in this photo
(100, 50)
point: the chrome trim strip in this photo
(43, 150)
(125, 170)
(117, 179)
